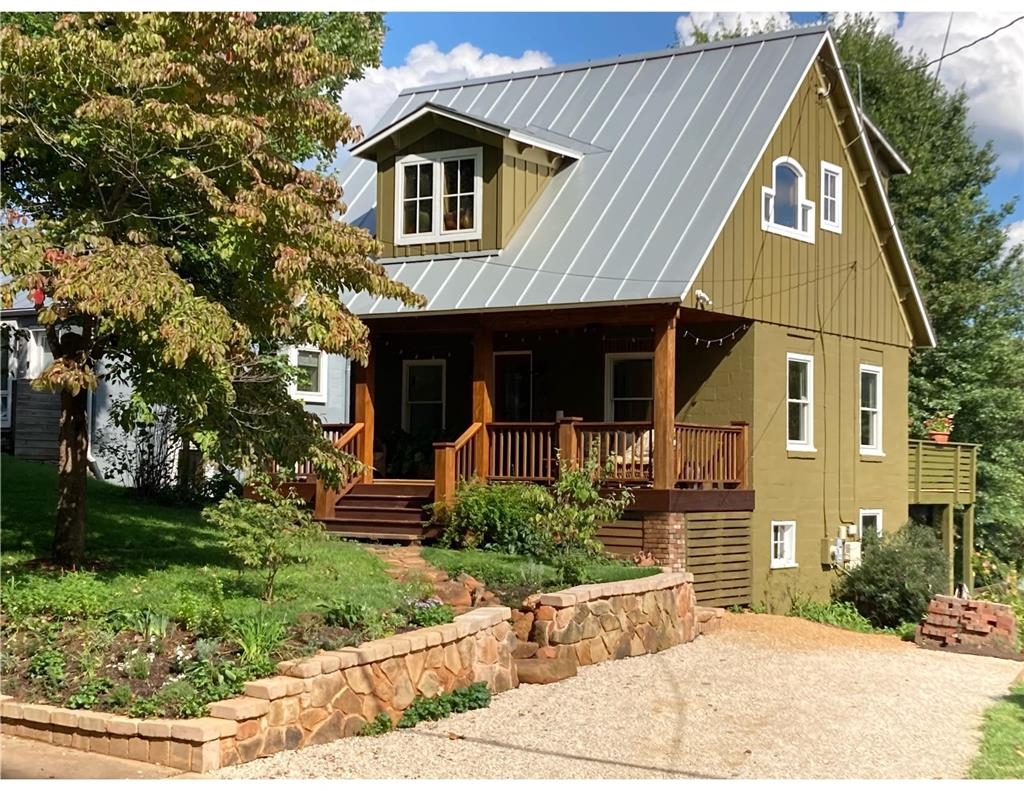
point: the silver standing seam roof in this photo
(667, 142)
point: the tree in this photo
(972, 284)
(154, 211)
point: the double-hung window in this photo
(629, 387)
(871, 410)
(799, 402)
(785, 209)
(311, 381)
(783, 545)
(438, 196)
(831, 197)
(423, 397)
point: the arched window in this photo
(785, 208)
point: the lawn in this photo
(1001, 756)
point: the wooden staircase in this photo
(385, 510)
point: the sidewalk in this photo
(24, 759)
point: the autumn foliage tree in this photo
(153, 206)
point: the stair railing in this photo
(326, 498)
(454, 462)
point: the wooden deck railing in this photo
(454, 462)
(941, 472)
(627, 449)
(711, 457)
(522, 452)
(303, 470)
(347, 439)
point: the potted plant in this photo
(939, 426)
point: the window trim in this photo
(7, 383)
(876, 449)
(808, 443)
(308, 396)
(803, 205)
(435, 361)
(834, 170)
(875, 512)
(610, 358)
(437, 160)
(788, 561)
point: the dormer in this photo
(451, 183)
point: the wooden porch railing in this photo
(522, 452)
(455, 461)
(348, 441)
(303, 470)
(627, 449)
(711, 457)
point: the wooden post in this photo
(568, 441)
(664, 402)
(444, 473)
(742, 451)
(947, 543)
(363, 412)
(483, 399)
(967, 550)
(324, 501)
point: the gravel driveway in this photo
(766, 697)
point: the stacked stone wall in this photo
(969, 626)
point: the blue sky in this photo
(502, 42)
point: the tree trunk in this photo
(73, 462)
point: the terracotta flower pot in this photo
(941, 437)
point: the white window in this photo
(438, 196)
(8, 363)
(423, 397)
(871, 410)
(36, 354)
(783, 545)
(831, 197)
(870, 522)
(799, 402)
(629, 387)
(311, 382)
(785, 209)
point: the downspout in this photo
(94, 465)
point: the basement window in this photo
(783, 545)
(784, 207)
(438, 196)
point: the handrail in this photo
(522, 451)
(466, 436)
(326, 498)
(354, 430)
(452, 463)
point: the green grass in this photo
(496, 569)
(145, 555)
(1001, 756)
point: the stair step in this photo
(409, 489)
(344, 510)
(374, 524)
(401, 531)
(374, 500)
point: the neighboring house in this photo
(684, 261)
(29, 418)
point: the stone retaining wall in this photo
(611, 620)
(969, 626)
(314, 700)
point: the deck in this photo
(941, 473)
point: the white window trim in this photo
(807, 444)
(788, 561)
(803, 205)
(835, 170)
(875, 512)
(309, 396)
(437, 233)
(876, 449)
(406, 365)
(7, 386)
(609, 364)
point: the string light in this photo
(697, 341)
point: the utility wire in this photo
(971, 44)
(945, 41)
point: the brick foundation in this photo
(969, 626)
(665, 538)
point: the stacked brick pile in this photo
(969, 626)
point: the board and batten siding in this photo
(839, 284)
(521, 181)
(36, 419)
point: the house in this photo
(682, 261)
(29, 418)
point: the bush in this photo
(264, 534)
(500, 517)
(898, 576)
(475, 696)
(259, 639)
(834, 613)
(71, 596)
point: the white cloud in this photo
(367, 99)
(1014, 234)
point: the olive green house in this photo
(682, 261)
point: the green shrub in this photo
(265, 534)
(428, 612)
(88, 694)
(49, 668)
(259, 639)
(834, 613)
(899, 574)
(475, 696)
(500, 517)
(1000, 582)
(381, 724)
(70, 596)
(346, 614)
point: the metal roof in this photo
(667, 141)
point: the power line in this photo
(971, 44)
(945, 41)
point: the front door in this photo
(423, 419)
(513, 387)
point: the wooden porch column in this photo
(483, 398)
(948, 539)
(364, 377)
(664, 402)
(967, 550)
